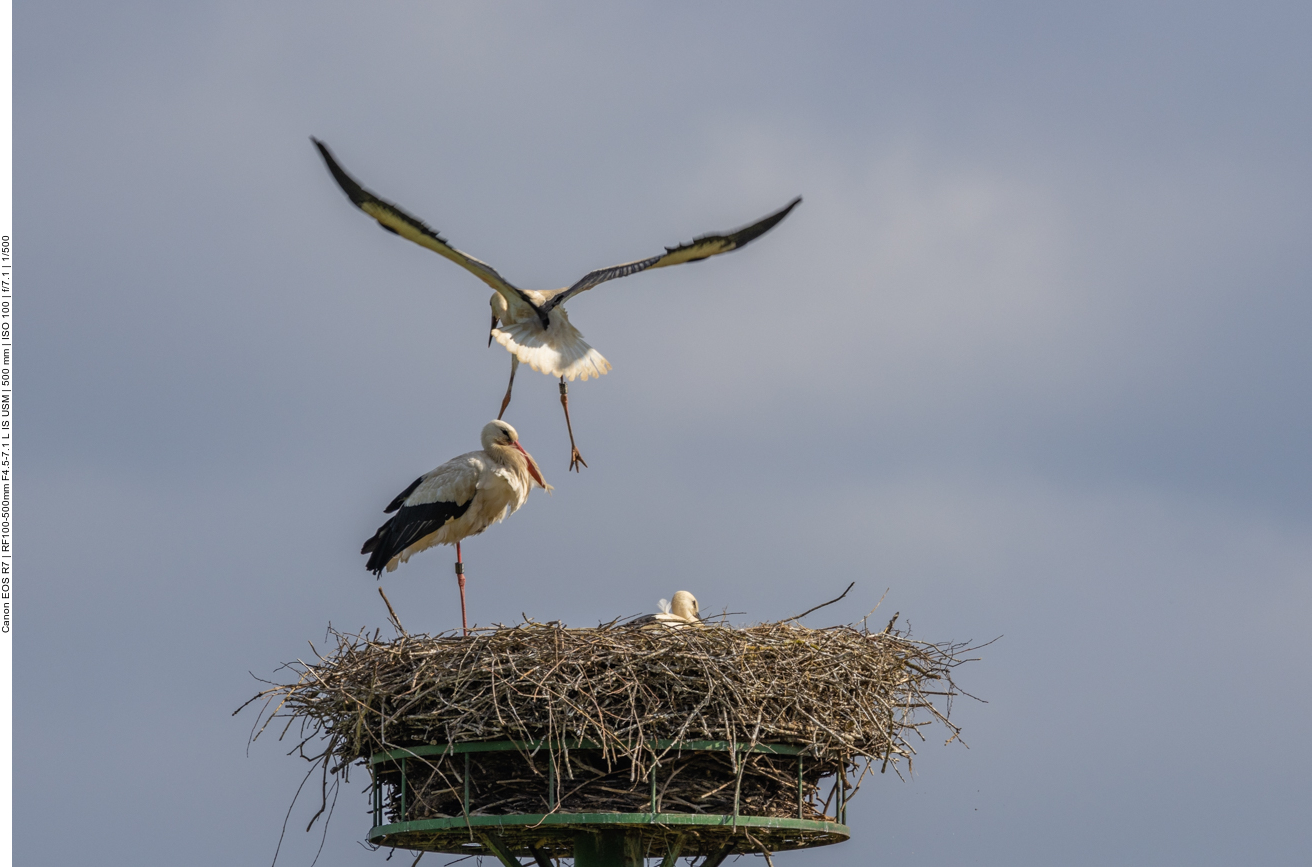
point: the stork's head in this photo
(684, 605)
(499, 308)
(499, 435)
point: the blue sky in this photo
(1032, 356)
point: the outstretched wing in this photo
(398, 222)
(694, 251)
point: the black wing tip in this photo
(739, 237)
(359, 196)
(326, 154)
(777, 215)
(747, 234)
(371, 544)
(356, 193)
(376, 564)
(408, 526)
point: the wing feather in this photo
(399, 222)
(407, 527)
(694, 251)
(399, 500)
(428, 504)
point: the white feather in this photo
(560, 350)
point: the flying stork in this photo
(459, 499)
(531, 324)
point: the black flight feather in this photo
(399, 500)
(406, 527)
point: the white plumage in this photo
(683, 611)
(532, 325)
(558, 350)
(459, 499)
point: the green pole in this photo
(608, 849)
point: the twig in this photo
(391, 612)
(821, 605)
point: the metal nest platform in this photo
(409, 783)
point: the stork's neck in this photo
(509, 456)
(519, 463)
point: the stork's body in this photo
(459, 499)
(682, 611)
(532, 325)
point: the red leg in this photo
(574, 457)
(505, 401)
(460, 576)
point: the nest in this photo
(774, 720)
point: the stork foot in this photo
(574, 457)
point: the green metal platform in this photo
(595, 839)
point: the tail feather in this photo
(558, 351)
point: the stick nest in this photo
(591, 706)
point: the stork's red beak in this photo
(532, 465)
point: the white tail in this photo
(559, 351)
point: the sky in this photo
(1031, 360)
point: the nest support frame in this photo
(597, 838)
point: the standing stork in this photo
(459, 499)
(531, 324)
